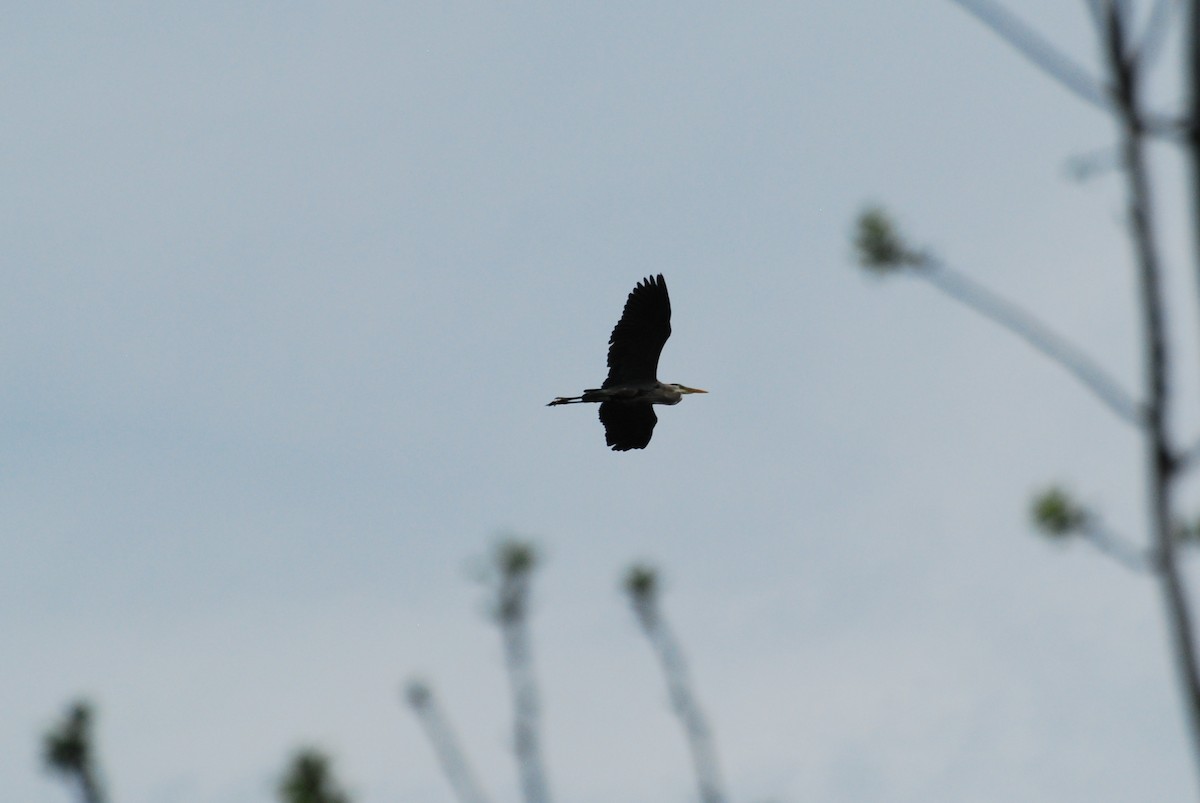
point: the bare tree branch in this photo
(641, 583)
(445, 744)
(1192, 80)
(1190, 457)
(1062, 68)
(882, 250)
(1038, 50)
(1162, 464)
(1158, 22)
(1118, 548)
(514, 562)
(1035, 333)
(1097, 10)
(1059, 517)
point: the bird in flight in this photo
(632, 386)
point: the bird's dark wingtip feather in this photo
(655, 282)
(640, 333)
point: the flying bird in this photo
(632, 386)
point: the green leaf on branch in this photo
(880, 247)
(1057, 515)
(641, 582)
(309, 779)
(67, 748)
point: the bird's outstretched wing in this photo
(627, 426)
(638, 337)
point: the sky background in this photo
(286, 288)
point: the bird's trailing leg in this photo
(596, 395)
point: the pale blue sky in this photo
(287, 287)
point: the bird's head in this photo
(685, 389)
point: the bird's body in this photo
(632, 386)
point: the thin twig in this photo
(445, 744)
(514, 564)
(1192, 79)
(1189, 457)
(1155, 33)
(1096, 8)
(1039, 50)
(1119, 549)
(1062, 68)
(1035, 333)
(525, 712)
(642, 585)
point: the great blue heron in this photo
(632, 386)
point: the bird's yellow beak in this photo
(683, 389)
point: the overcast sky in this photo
(287, 287)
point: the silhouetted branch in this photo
(1157, 23)
(1118, 548)
(1059, 516)
(1192, 81)
(641, 583)
(882, 250)
(1162, 465)
(1035, 333)
(69, 751)
(1038, 50)
(1190, 457)
(445, 744)
(1125, 61)
(1096, 9)
(514, 562)
(1061, 67)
